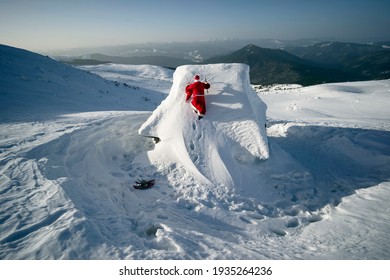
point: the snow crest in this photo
(231, 134)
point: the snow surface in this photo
(70, 152)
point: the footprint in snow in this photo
(279, 232)
(294, 222)
(151, 231)
(194, 127)
(256, 216)
(314, 218)
(248, 221)
(195, 158)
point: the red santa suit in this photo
(196, 91)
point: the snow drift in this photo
(232, 133)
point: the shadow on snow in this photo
(337, 161)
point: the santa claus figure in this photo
(196, 92)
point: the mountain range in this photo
(270, 66)
(302, 64)
(364, 61)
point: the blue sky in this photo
(50, 24)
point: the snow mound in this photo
(231, 134)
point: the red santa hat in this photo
(196, 78)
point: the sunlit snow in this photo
(313, 184)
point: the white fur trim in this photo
(199, 114)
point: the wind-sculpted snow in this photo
(231, 135)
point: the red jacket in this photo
(196, 90)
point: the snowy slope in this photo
(356, 104)
(67, 168)
(154, 78)
(35, 86)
